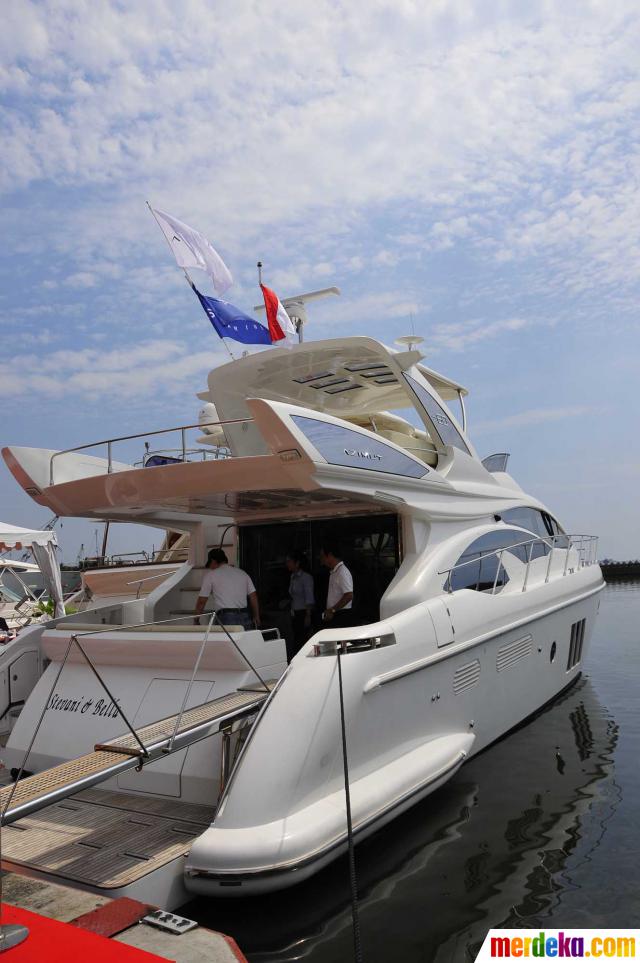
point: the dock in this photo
(110, 920)
(94, 922)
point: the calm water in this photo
(539, 830)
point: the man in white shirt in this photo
(340, 590)
(231, 589)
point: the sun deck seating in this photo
(400, 432)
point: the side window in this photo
(438, 416)
(529, 518)
(540, 523)
(560, 539)
(479, 568)
(478, 573)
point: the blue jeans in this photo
(235, 617)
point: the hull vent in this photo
(512, 652)
(466, 676)
(575, 646)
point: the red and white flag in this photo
(283, 334)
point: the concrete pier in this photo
(118, 919)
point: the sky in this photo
(465, 170)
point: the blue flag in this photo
(231, 322)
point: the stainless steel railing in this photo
(585, 546)
(110, 442)
(139, 582)
(179, 454)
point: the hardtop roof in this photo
(341, 376)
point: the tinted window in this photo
(441, 421)
(478, 567)
(560, 540)
(6, 595)
(529, 518)
(342, 446)
(497, 462)
(478, 573)
(540, 523)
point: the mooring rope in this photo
(357, 945)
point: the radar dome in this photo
(206, 415)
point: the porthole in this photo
(552, 653)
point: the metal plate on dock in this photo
(169, 922)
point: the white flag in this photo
(191, 249)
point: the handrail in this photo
(143, 434)
(497, 551)
(585, 545)
(149, 578)
(204, 454)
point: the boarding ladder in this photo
(131, 751)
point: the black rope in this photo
(357, 946)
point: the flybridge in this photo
(316, 374)
(289, 422)
(350, 378)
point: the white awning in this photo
(13, 537)
(43, 545)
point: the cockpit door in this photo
(442, 624)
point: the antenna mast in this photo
(295, 306)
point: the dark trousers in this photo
(300, 633)
(341, 619)
(235, 617)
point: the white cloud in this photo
(534, 416)
(461, 110)
(81, 279)
(363, 310)
(455, 337)
(146, 370)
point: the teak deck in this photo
(105, 839)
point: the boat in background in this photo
(18, 595)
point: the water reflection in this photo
(493, 847)
(630, 586)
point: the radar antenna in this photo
(408, 341)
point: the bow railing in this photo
(585, 547)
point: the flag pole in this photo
(260, 273)
(186, 273)
(193, 288)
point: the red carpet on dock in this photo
(55, 942)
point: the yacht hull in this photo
(409, 729)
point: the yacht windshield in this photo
(6, 595)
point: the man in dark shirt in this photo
(6, 634)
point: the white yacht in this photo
(175, 758)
